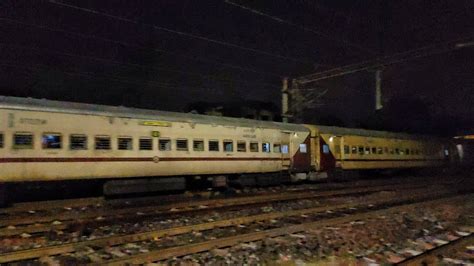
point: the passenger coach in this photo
(43, 140)
(341, 151)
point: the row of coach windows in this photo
(79, 142)
(361, 150)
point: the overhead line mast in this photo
(296, 101)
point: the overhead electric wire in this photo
(156, 50)
(148, 69)
(182, 33)
(286, 22)
(150, 83)
(384, 61)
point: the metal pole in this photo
(378, 90)
(284, 100)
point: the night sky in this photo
(167, 54)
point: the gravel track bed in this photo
(377, 241)
(188, 195)
(89, 254)
(89, 231)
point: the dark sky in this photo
(166, 54)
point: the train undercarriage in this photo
(49, 190)
(132, 187)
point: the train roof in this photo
(43, 105)
(368, 133)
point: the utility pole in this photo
(284, 100)
(297, 102)
(378, 89)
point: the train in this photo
(132, 149)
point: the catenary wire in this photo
(148, 69)
(182, 33)
(307, 29)
(122, 43)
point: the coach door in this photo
(336, 147)
(330, 147)
(301, 161)
(285, 150)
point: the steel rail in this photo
(186, 206)
(233, 240)
(116, 240)
(81, 202)
(38, 228)
(430, 257)
(52, 204)
(171, 210)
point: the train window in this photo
(213, 145)
(277, 148)
(346, 149)
(361, 150)
(407, 151)
(198, 145)
(367, 150)
(1, 140)
(146, 144)
(125, 143)
(23, 141)
(284, 148)
(164, 144)
(265, 147)
(78, 142)
(325, 149)
(52, 141)
(379, 150)
(241, 146)
(446, 152)
(385, 149)
(303, 148)
(254, 146)
(182, 144)
(102, 143)
(228, 145)
(354, 149)
(374, 150)
(397, 151)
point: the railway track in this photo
(50, 205)
(179, 251)
(65, 219)
(432, 256)
(268, 224)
